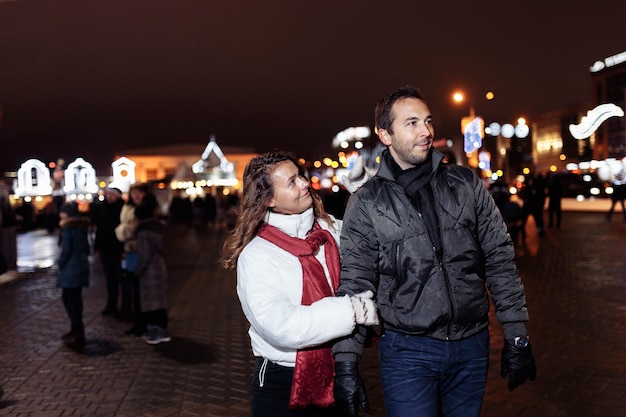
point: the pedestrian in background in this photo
(284, 247)
(151, 271)
(125, 232)
(619, 194)
(555, 195)
(533, 195)
(511, 212)
(427, 238)
(109, 249)
(73, 265)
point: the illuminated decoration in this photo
(352, 133)
(522, 130)
(214, 167)
(123, 174)
(472, 135)
(507, 130)
(611, 169)
(475, 119)
(608, 62)
(80, 178)
(484, 161)
(549, 142)
(607, 170)
(594, 118)
(33, 179)
(493, 129)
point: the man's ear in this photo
(384, 137)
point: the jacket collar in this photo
(297, 225)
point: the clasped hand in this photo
(365, 312)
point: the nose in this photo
(303, 182)
(426, 130)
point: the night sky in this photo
(88, 78)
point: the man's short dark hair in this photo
(382, 114)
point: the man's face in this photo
(413, 132)
(112, 197)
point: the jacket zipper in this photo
(442, 268)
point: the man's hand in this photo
(349, 389)
(518, 363)
(356, 177)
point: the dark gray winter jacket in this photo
(386, 248)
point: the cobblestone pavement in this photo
(576, 288)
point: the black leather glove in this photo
(518, 363)
(349, 389)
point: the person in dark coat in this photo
(429, 241)
(151, 271)
(125, 232)
(619, 194)
(555, 194)
(73, 268)
(110, 250)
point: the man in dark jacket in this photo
(109, 249)
(428, 240)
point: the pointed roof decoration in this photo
(212, 158)
(214, 168)
(123, 173)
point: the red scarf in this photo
(313, 377)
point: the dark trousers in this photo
(554, 213)
(111, 264)
(271, 389)
(139, 321)
(73, 303)
(614, 202)
(156, 317)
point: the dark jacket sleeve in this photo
(502, 275)
(67, 241)
(359, 254)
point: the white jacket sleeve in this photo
(270, 291)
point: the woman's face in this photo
(137, 195)
(291, 191)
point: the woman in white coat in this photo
(285, 249)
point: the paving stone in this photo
(575, 283)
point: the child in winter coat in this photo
(151, 271)
(73, 268)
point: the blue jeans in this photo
(433, 378)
